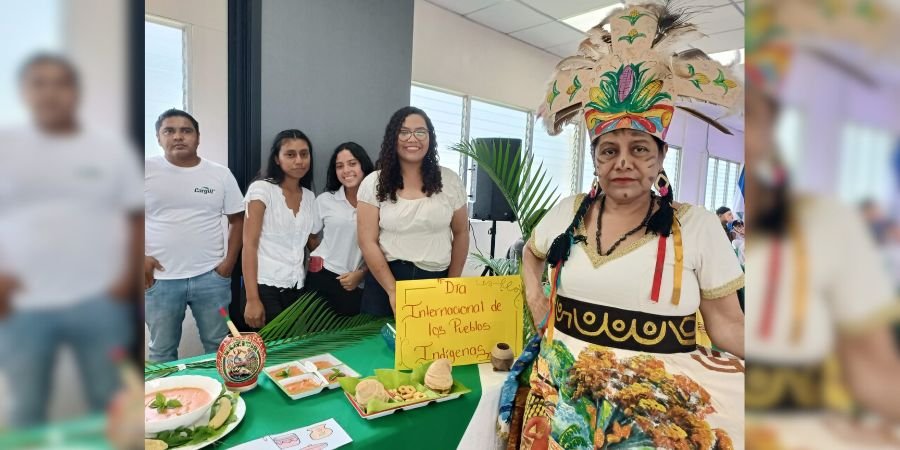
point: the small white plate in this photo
(345, 369)
(325, 357)
(282, 384)
(239, 412)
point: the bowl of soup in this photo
(179, 401)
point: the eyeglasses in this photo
(420, 134)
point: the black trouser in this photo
(341, 301)
(375, 300)
(275, 299)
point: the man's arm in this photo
(235, 236)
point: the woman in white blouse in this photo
(281, 221)
(412, 218)
(336, 269)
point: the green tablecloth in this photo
(437, 426)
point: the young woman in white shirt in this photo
(282, 220)
(336, 268)
(412, 216)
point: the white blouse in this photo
(282, 242)
(340, 247)
(417, 230)
(847, 288)
(624, 279)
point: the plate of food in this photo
(391, 390)
(298, 379)
(188, 412)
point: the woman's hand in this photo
(392, 297)
(349, 281)
(539, 304)
(254, 313)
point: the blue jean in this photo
(164, 306)
(29, 343)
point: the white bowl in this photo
(212, 386)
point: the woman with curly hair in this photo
(412, 220)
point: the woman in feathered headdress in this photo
(618, 359)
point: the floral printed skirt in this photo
(589, 396)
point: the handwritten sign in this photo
(457, 318)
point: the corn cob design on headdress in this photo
(632, 77)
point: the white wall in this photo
(460, 55)
(207, 54)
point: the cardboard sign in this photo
(457, 318)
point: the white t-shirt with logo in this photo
(64, 220)
(184, 210)
(283, 238)
(339, 248)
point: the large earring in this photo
(595, 187)
(662, 183)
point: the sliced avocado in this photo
(222, 413)
(155, 444)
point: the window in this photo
(721, 182)
(557, 155)
(866, 163)
(490, 120)
(672, 166)
(446, 113)
(30, 27)
(458, 117)
(789, 135)
(165, 79)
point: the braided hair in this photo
(660, 222)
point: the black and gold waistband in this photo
(779, 388)
(625, 329)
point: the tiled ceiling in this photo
(558, 26)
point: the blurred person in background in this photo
(70, 236)
(879, 223)
(725, 216)
(820, 303)
(186, 262)
(737, 239)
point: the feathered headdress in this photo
(635, 75)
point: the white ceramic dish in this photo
(362, 413)
(268, 370)
(345, 369)
(211, 386)
(240, 411)
(282, 384)
(323, 357)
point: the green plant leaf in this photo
(174, 403)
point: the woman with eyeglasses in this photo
(412, 220)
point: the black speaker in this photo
(489, 201)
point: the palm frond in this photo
(528, 190)
(306, 328)
(499, 266)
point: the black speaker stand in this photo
(493, 233)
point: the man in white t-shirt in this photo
(186, 260)
(70, 232)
